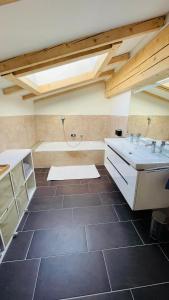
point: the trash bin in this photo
(159, 225)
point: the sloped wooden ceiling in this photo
(152, 59)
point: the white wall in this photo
(84, 101)
(15, 106)
(144, 104)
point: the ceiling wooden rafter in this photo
(104, 43)
(66, 49)
(4, 2)
(150, 61)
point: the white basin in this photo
(137, 154)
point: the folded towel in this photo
(167, 185)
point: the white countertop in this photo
(137, 154)
(12, 157)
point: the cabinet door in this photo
(22, 200)
(9, 222)
(18, 178)
(6, 194)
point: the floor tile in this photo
(45, 191)
(165, 248)
(57, 241)
(102, 187)
(19, 246)
(17, 279)
(143, 228)
(125, 295)
(111, 235)
(112, 198)
(71, 276)
(42, 170)
(72, 189)
(64, 182)
(156, 292)
(45, 203)
(102, 178)
(94, 215)
(125, 213)
(136, 266)
(81, 200)
(48, 219)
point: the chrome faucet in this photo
(162, 146)
(153, 145)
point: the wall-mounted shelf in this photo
(17, 186)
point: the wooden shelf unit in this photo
(17, 186)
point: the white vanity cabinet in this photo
(17, 186)
(142, 188)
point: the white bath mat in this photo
(73, 172)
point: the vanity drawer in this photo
(124, 168)
(6, 193)
(8, 223)
(128, 190)
(22, 200)
(18, 178)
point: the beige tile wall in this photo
(158, 129)
(49, 128)
(17, 132)
(25, 131)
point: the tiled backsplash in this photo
(25, 131)
(158, 128)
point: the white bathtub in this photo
(70, 146)
(49, 154)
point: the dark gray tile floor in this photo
(80, 239)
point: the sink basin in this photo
(138, 154)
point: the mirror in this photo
(149, 111)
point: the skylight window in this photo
(64, 72)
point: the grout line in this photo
(63, 197)
(137, 232)
(116, 213)
(86, 238)
(93, 295)
(24, 222)
(131, 294)
(90, 224)
(29, 244)
(107, 271)
(78, 252)
(149, 285)
(83, 207)
(36, 279)
(163, 252)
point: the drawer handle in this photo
(119, 155)
(117, 170)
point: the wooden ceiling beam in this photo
(22, 83)
(11, 89)
(4, 2)
(156, 96)
(163, 88)
(66, 49)
(63, 61)
(116, 60)
(119, 58)
(105, 60)
(148, 62)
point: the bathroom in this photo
(69, 233)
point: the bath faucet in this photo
(162, 146)
(153, 145)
